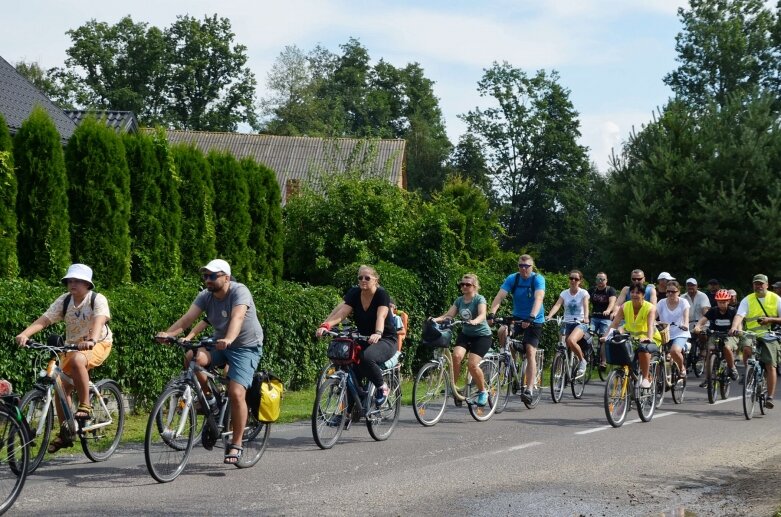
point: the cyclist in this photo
(661, 288)
(603, 301)
(474, 336)
(760, 310)
(720, 319)
(575, 302)
(713, 287)
(674, 309)
(649, 291)
(698, 302)
(230, 310)
(86, 314)
(639, 316)
(369, 304)
(527, 289)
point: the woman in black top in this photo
(369, 305)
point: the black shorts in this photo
(531, 334)
(478, 345)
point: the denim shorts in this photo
(600, 325)
(567, 329)
(682, 343)
(243, 362)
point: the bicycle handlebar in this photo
(54, 349)
(349, 332)
(187, 345)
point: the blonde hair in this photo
(473, 278)
(371, 270)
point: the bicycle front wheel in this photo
(169, 433)
(646, 397)
(40, 418)
(724, 383)
(503, 383)
(558, 377)
(490, 370)
(662, 379)
(749, 392)
(100, 438)
(713, 377)
(14, 459)
(616, 397)
(578, 384)
(382, 420)
(329, 414)
(678, 387)
(429, 393)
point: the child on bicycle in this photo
(720, 319)
(86, 314)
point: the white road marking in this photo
(728, 400)
(523, 446)
(636, 420)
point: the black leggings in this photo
(379, 352)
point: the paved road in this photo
(558, 459)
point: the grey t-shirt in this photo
(218, 312)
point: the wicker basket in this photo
(664, 330)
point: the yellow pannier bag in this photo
(264, 398)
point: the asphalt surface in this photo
(557, 459)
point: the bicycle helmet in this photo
(722, 295)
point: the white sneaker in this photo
(645, 383)
(582, 367)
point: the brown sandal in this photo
(62, 441)
(84, 412)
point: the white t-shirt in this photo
(667, 315)
(743, 307)
(573, 305)
(699, 305)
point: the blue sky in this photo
(611, 54)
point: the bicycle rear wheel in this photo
(749, 392)
(490, 371)
(14, 459)
(429, 393)
(40, 420)
(578, 384)
(678, 380)
(558, 377)
(101, 437)
(329, 414)
(646, 397)
(698, 362)
(381, 421)
(254, 440)
(169, 433)
(713, 377)
(504, 383)
(616, 397)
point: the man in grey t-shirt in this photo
(229, 308)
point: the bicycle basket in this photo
(344, 351)
(435, 336)
(618, 350)
(664, 331)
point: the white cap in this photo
(664, 275)
(692, 281)
(79, 272)
(217, 266)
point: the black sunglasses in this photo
(465, 284)
(366, 278)
(211, 276)
(574, 278)
(524, 266)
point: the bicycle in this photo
(511, 378)
(564, 368)
(172, 424)
(624, 380)
(694, 360)
(718, 370)
(99, 435)
(755, 384)
(341, 399)
(15, 453)
(670, 377)
(597, 354)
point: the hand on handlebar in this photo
(85, 344)
(21, 340)
(163, 337)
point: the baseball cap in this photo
(760, 278)
(217, 266)
(692, 281)
(664, 275)
(777, 285)
(713, 281)
(79, 272)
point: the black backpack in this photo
(67, 302)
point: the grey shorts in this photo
(243, 362)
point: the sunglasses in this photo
(524, 266)
(465, 284)
(600, 279)
(574, 278)
(211, 276)
(365, 278)
(671, 291)
(638, 279)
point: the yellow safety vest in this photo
(637, 326)
(770, 303)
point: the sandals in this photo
(84, 412)
(232, 459)
(62, 441)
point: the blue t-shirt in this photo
(647, 296)
(523, 297)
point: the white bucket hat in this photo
(79, 272)
(217, 266)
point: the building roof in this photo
(18, 97)
(120, 121)
(295, 158)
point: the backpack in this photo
(264, 398)
(518, 281)
(67, 302)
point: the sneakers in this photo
(382, 395)
(581, 368)
(733, 374)
(769, 403)
(645, 383)
(704, 383)
(482, 398)
(526, 395)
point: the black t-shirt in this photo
(718, 321)
(366, 320)
(600, 299)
